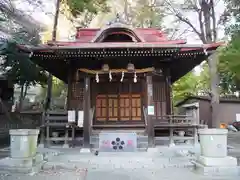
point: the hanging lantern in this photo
(130, 67)
(105, 68)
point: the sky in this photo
(44, 13)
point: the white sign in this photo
(150, 110)
(80, 118)
(71, 116)
(238, 117)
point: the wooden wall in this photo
(76, 91)
(161, 95)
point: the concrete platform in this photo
(217, 162)
(22, 165)
(217, 171)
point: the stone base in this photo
(152, 150)
(217, 171)
(85, 150)
(41, 146)
(217, 162)
(172, 145)
(65, 145)
(22, 165)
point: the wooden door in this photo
(101, 107)
(112, 107)
(123, 107)
(136, 108)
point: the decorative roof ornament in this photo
(118, 21)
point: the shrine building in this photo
(119, 86)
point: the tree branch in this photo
(214, 22)
(182, 18)
(200, 15)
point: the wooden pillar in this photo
(70, 82)
(169, 107)
(42, 132)
(150, 119)
(86, 109)
(169, 95)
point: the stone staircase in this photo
(166, 158)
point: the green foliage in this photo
(232, 14)
(147, 15)
(188, 85)
(59, 89)
(79, 6)
(18, 67)
(229, 64)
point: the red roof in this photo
(147, 34)
(144, 38)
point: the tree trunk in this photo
(214, 79)
(21, 99)
(208, 34)
(50, 77)
(25, 90)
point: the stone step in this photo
(113, 162)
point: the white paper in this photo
(238, 117)
(80, 118)
(150, 110)
(71, 116)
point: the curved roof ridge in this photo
(116, 26)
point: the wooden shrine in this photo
(119, 79)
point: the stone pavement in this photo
(167, 165)
(139, 166)
(118, 174)
(234, 141)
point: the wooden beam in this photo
(86, 109)
(150, 120)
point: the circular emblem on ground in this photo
(118, 144)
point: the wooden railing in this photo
(175, 123)
(181, 120)
(58, 120)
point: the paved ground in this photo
(135, 171)
(234, 141)
(163, 174)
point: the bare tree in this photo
(207, 33)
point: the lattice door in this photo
(113, 107)
(101, 108)
(136, 107)
(125, 107)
